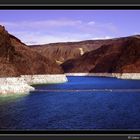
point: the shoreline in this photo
(131, 76)
(24, 83)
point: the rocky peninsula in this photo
(24, 83)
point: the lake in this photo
(82, 103)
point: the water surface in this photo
(81, 103)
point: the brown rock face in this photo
(121, 55)
(18, 59)
(69, 50)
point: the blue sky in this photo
(47, 26)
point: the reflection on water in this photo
(4, 99)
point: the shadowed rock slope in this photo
(70, 50)
(18, 59)
(122, 55)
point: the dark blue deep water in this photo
(82, 103)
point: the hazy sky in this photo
(46, 26)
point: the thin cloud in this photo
(41, 24)
(91, 23)
(60, 30)
(105, 37)
(38, 38)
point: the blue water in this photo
(75, 106)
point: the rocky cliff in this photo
(121, 55)
(18, 59)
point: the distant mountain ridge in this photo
(64, 51)
(69, 50)
(120, 56)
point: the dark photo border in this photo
(128, 134)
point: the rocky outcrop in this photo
(120, 57)
(14, 85)
(22, 84)
(18, 59)
(132, 76)
(44, 79)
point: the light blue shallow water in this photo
(81, 103)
